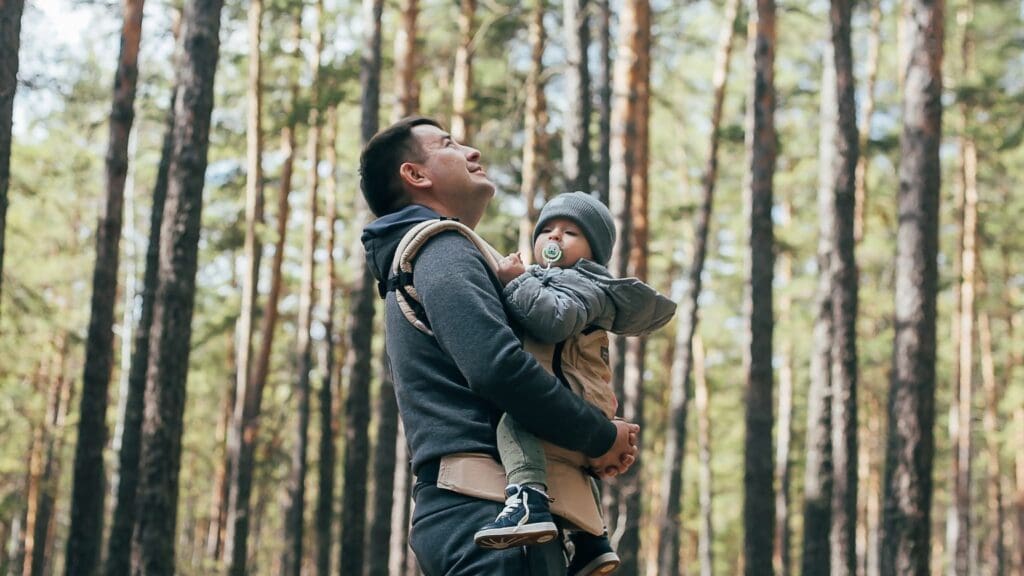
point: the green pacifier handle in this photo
(552, 253)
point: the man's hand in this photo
(510, 267)
(623, 452)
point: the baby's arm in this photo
(553, 309)
(510, 267)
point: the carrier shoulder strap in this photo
(400, 277)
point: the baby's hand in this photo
(510, 267)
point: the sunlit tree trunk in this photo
(361, 325)
(407, 89)
(759, 503)
(959, 533)
(629, 258)
(10, 43)
(85, 537)
(867, 111)
(576, 160)
(400, 507)
(462, 77)
(908, 486)
(992, 549)
(843, 269)
(818, 461)
(534, 122)
(705, 555)
(119, 543)
(154, 534)
(328, 423)
(604, 90)
(671, 483)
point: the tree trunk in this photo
(400, 507)
(407, 89)
(379, 546)
(867, 111)
(462, 77)
(10, 42)
(679, 396)
(783, 461)
(843, 269)
(629, 208)
(818, 466)
(911, 443)
(1014, 322)
(153, 541)
(295, 507)
(604, 89)
(85, 537)
(759, 503)
(576, 133)
(960, 530)
(248, 406)
(992, 551)
(361, 327)
(118, 561)
(328, 424)
(705, 556)
(534, 129)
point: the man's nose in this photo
(472, 154)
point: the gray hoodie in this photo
(453, 387)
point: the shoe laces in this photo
(512, 503)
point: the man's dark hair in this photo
(382, 157)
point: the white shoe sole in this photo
(502, 538)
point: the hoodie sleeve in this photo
(460, 296)
(555, 304)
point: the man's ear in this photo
(413, 175)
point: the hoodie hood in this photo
(381, 237)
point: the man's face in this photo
(454, 169)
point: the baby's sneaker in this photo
(592, 556)
(525, 520)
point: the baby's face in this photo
(569, 238)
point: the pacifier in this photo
(552, 253)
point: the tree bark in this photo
(379, 546)
(407, 89)
(604, 89)
(397, 558)
(576, 160)
(705, 556)
(295, 507)
(818, 466)
(462, 77)
(783, 460)
(328, 423)
(867, 111)
(154, 535)
(10, 42)
(992, 550)
(675, 442)
(960, 531)
(534, 129)
(911, 443)
(843, 269)
(85, 537)
(119, 543)
(361, 327)
(759, 504)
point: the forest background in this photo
(631, 100)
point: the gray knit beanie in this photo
(589, 214)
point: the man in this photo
(452, 387)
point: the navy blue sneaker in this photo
(525, 520)
(592, 555)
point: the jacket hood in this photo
(381, 237)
